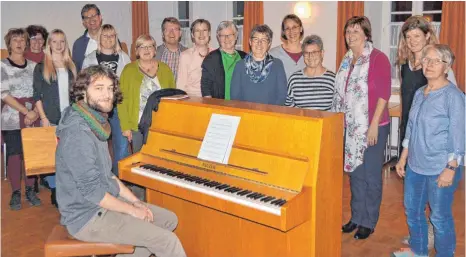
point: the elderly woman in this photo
(37, 37)
(189, 68)
(109, 54)
(362, 90)
(259, 78)
(17, 112)
(138, 81)
(290, 52)
(312, 87)
(52, 82)
(415, 34)
(218, 66)
(433, 150)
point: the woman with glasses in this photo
(218, 65)
(52, 81)
(189, 68)
(109, 54)
(416, 33)
(313, 86)
(362, 91)
(289, 52)
(433, 151)
(138, 81)
(259, 77)
(37, 37)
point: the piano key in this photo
(267, 199)
(212, 188)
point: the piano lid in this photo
(274, 145)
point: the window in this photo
(402, 10)
(238, 18)
(184, 18)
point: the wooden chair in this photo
(124, 47)
(4, 53)
(61, 244)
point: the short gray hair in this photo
(263, 29)
(227, 24)
(444, 51)
(312, 40)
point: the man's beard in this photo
(96, 106)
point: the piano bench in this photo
(61, 244)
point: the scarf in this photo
(258, 71)
(97, 121)
(351, 98)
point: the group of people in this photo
(95, 92)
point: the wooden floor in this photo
(24, 232)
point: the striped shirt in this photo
(311, 92)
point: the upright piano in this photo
(279, 195)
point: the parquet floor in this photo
(24, 232)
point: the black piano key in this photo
(276, 201)
(244, 192)
(223, 187)
(251, 195)
(282, 202)
(267, 199)
(258, 196)
(235, 190)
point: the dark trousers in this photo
(366, 183)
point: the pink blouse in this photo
(190, 72)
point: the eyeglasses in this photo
(172, 30)
(199, 32)
(294, 28)
(312, 54)
(229, 36)
(435, 62)
(149, 47)
(92, 17)
(111, 36)
(39, 40)
(257, 40)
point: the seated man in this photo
(94, 204)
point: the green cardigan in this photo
(130, 85)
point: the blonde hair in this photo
(413, 22)
(50, 73)
(141, 39)
(108, 27)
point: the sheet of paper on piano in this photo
(219, 138)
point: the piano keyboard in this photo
(226, 192)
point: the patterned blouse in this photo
(148, 86)
(16, 82)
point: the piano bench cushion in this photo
(61, 244)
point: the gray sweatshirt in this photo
(83, 171)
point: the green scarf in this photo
(97, 121)
(229, 62)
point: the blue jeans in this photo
(119, 142)
(423, 189)
(51, 181)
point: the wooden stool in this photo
(61, 244)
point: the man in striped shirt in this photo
(312, 87)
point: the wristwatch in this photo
(450, 167)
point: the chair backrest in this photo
(39, 146)
(124, 47)
(4, 53)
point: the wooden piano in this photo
(279, 195)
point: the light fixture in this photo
(303, 9)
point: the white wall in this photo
(65, 16)
(323, 22)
